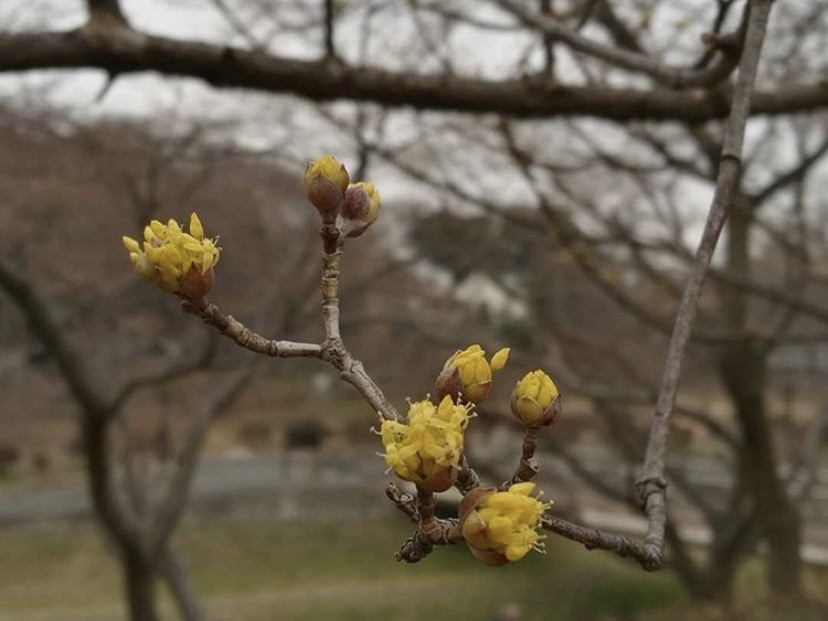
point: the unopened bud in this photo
(326, 180)
(535, 400)
(360, 208)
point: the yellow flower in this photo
(502, 526)
(535, 399)
(360, 208)
(176, 261)
(326, 180)
(427, 449)
(468, 373)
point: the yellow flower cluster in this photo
(505, 524)
(427, 449)
(176, 261)
(532, 398)
(468, 372)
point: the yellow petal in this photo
(524, 489)
(158, 228)
(130, 244)
(196, 229)
(499, 359)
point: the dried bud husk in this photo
(449, 383)
(439, 482)
(195, 285)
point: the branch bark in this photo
(125, 51)
(652, 483)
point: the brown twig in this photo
(467, 479)
(652, 483)
(430, 532)
(676, 77)
(404, 502)
(244, 337)
(529, 465)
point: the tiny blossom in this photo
(469, 372)
(427, 449)
(506, 523)
(176, 261)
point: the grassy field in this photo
(263, 571)
(257, 571)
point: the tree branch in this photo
(244, 337)
(675, 77)
(126, 51)
(652, 483)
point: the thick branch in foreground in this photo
(123, 51)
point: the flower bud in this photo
(467, 373)
(535, 399)
(360, 208)
(499, 527)
(326, 180)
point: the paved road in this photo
(299, 485)
(288, 485)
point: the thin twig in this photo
(529, 465)
(676, 77)
(652, 482)
(243, 336)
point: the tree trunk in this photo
(181, 587)
(140, 586)
(744, 375)
(778, 518)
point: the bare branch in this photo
(244, 336)
(675, 77)
(330, 19)
(174, 369)
(42, 322)
(105, 12)
(652, 483)
(171, 507)
(96, 407)
(128, 52)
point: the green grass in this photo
(263, 570)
